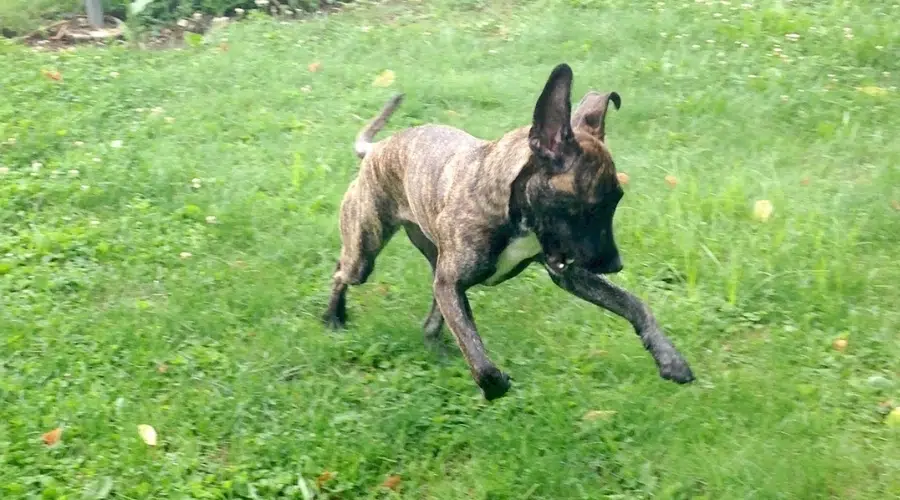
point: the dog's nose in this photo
(607, 266)
(615, 266)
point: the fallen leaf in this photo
(52, 437)
(148, 434)
(162, 368)
(893, 418)
(392, 482)
(53, 75)
(594, 415)
(223, 47)
(384, 289)
(839, 344)
(671, 180)
(623, 178)
(385, 79)
(314, 67)
(185, 255)
(895, 204)
(762, 210)
(805, 181)
(323, 478)
(873, 90)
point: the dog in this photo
(482, 211)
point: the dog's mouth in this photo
(558, 262)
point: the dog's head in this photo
(573, 191)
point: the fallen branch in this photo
(42, 30)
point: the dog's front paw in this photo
(677, 370)
(493, 383)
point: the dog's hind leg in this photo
(434, 322)
(364, 232)
(335, 316)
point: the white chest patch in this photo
(519, 249)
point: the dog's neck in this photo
(520, 213)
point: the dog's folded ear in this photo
(590, 114)
(551, 129)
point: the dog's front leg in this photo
(450, 295)
(600, 291)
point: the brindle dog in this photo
(481, 211)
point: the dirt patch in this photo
(75, 31)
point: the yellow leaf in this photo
(762, 210)
(52, 437)
(598, 415)
(148, 434)
(893, 418)
(873, 90)
(314, 67)
(385, 79)
(671, 180)
(623, 178)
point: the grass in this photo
(19, 16)
(107, 324)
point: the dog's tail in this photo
(363, 143)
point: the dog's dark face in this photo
(573, 191)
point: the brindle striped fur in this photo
(464, 201)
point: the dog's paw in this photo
(438, 347)
(493, 383)
(333, 322)
(676, 370)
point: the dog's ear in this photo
(590, 115)
(551, 130)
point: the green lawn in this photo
(107, 323)
(18, 17)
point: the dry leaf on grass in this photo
(52, 437)
(314, 67)
(671, 180)
(839, 344)
(385, 79)
(148, 434)
(623, 178)
(392, 482)
(53, 75)
(162, 368)
(323, 478)
(895, 204)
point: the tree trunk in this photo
(94, 13)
